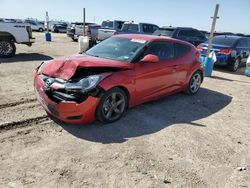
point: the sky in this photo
(234, 14)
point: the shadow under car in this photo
(152, 117)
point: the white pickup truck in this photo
(11, 33)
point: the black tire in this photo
(194, 83)
(109, 110)
(40, 30)
(74, 40)
(235, 65)
(7, 48)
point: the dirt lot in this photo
(179, 141)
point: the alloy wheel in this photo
(195, 82)
(236, 65)
(5, 48)
(114, 106)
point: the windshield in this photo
(107, 24)
(116, 48)
(227, 41)
(164, 32)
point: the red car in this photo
(120, 72)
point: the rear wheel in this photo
(195, 83)
(235, 66)
(112, 106)
(7, 48)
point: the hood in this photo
(65, 68)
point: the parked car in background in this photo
(71, 31)
(11, 33)
(231, 51)
(138, 28)
(188, 34)
(120, 72)
(59, 28)
(35, 26)
(109, 28)
(52, 22)
(90, 30)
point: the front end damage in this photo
(73, 100)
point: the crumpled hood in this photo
(65, 68)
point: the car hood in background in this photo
(65, 68)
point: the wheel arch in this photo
(4, 34)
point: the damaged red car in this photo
(120, 72)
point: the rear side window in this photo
(186, 33)
(221, 40)
(164, 50)
(181, 49)
(242, 43)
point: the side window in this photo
(181, 49)
(147, 28)
(185, 33)
(164, 50)
(197, 34)
(119, 25)
(242, 43)
(155, 28)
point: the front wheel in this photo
(7, 48)
(112, 106)
(195, 83)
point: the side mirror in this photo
(150, 59)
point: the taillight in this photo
(199, 48)
(225, 51)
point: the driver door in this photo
(153, 80)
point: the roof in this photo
(167, 27)
(150, 38)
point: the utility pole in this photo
(215, 17)
(83, 21)
(47, 20)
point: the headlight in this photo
(84, 84)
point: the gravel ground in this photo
(178, 141)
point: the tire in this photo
(194, 83)
(235, 65)
(7, 48)
(109, 110)
(40, 30)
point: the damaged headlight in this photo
(84, 84)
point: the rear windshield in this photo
(227, 41)
(164, 32)
(107, 24)
(130, 27)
